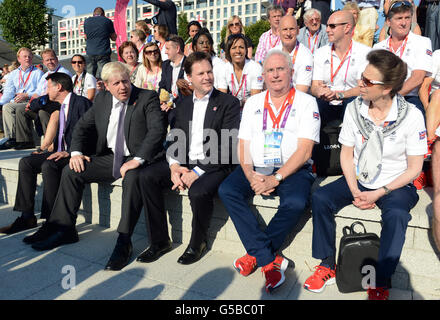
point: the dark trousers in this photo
(330, 112)
(331, 198)
(29, 168)
(294, 193)
(99, 169)
(432, 24)
(96, 63)
(156, 177)
(415, 100)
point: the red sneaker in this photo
(322, 277)
(430, 146)
(420, 182)
(245, 265)
(274, 273)
(381, 293)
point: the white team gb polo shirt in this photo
(303, 122)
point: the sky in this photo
(67, 8)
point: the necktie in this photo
(61, 131)
(119, 145)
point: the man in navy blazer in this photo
(60, 89)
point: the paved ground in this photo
(31, 275)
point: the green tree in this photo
(182, 26)
(24, 23)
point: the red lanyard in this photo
(333, 75)
(295, 53)
(402, 47)
(243, 81)
(20, 79)
(270, 40)
(276, 120)
(316, 40)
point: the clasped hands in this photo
(365, 200)
(262, 184)
(182, 177)
(325, 93)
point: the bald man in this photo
(337, 68)
(301, 56)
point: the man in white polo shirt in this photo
(302, 58)
(415, 50)
(278, 130)
(338, 67)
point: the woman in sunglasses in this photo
(235, 26)
(150, 72)
(130, 55)
(84, 84)
(242, 76)
(383, 141)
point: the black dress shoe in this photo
(57, 239)
(24, 145)
(154, 252)
(20, 224)
(192, 255)
(120, 257)
(8, 144)
(42, 234)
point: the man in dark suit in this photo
(167, 14)
(201, 157)
(172, 72)
(130, 131)
(51, 164)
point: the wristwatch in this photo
(278, 177)
(387, 191)
(340, 95)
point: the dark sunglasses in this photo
(237, 24)
(399, 4)
(150, 52)
(334, 25)
(77, 62)
(368, 82)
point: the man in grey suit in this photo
(130, 130)
(313, 34)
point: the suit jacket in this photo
(77, 107)
(167, 14)
(223, 112)
(144, 125)
(167, 78)
(322, 37)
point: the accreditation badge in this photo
(272, 148)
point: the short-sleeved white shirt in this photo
(89, 83)
(303, 67)
(417, 54)
(350, 71)
(251, 75)
(218, 71)
(435, 85)
(409, 139)
(303, 122)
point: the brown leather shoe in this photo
(20, 224)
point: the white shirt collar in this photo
(178, 65)
(205, 98)
(67, 99)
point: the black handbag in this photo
(326, 154)
(356, 250)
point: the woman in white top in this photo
(138, 38)
(150, 72)
(383, 141)
(129, 54)
(161, 33)
(429, 94)
(84, 84)
(242, 77)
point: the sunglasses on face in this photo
(368, 82)
(77, 62)
(399, 4)
(236, 24)
(150, 52)
(334, 25)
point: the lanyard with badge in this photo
(243, 85)
(333, 75)
(278, 39)
(401, 48)
(316, 40)
(21, 83)
(274, 136)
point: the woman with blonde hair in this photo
(150, 72)
(235, 26)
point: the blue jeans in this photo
(294, 192)
(331, 198)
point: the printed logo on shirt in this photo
(429, 52)
(258, 111)
(422, 135)
(327, 61)
(308, 68)
(316, 115)
(292, 113)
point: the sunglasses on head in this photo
(368, 82)
(77, 62)
(399, 4)
(334, 25)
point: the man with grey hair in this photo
(130, 130)
(313, 34)
(278, 130)
(270, 38)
